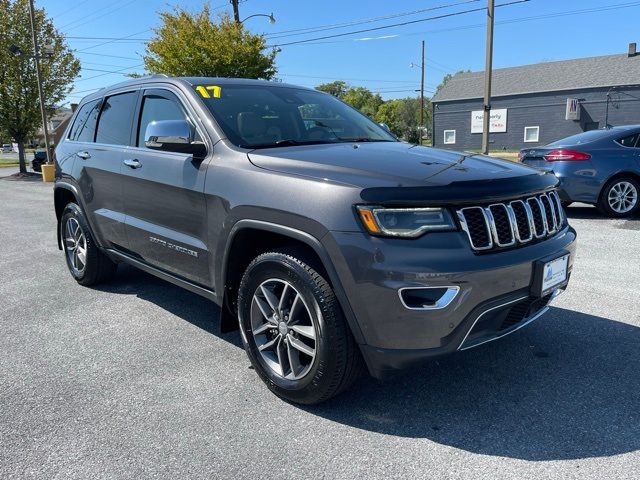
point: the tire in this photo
(296, 376)
(88, 265)
(620, 197)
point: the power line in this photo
(111, 41)
(70, 9)
(502, 22)
(98, 64)
(320, 28)
(121, 71)
(93, 17)
(408, 22)
(346, 78)
(105, 55)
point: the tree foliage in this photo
(402, 116)
(19, 104)
(338, 89)
(364, 100)
(191, 44)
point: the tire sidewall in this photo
(275, 265)
(72, 210)
(604, 199)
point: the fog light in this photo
(427, 298)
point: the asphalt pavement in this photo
(132, 380)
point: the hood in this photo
(389, 172)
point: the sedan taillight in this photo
(566, 156)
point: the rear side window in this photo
(156, 108)
(629, 140)
(84, 126)
(116, 118)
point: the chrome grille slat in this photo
(549, 214)
(503, 225)
(500, 225)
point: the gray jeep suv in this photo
(330, 244)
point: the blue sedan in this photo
(601, 167)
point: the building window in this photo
(449, 137)
(531, 134)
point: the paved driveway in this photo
(132, 380)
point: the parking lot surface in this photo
(132, 380)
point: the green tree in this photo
(338, 88)
(19, 105)
(191, 44)
(363, 99)
(403, 117)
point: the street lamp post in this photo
(43, 111)
(271, 18)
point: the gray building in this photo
(536, 104)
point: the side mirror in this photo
(173, 136)
(385, 126)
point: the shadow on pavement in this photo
(565, 387)
(189, 306)
(588, 212)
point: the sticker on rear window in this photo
(209, 91)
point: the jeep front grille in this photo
(502, 225)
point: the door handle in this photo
(83, 155)
(133, 163)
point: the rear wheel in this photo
(294, 331)
(620, 197)
(86, 263)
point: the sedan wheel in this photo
(623, 196)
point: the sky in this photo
(525, 32)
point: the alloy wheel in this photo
(283, 329)
(76, 246)
(622, 197)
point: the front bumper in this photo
(373, 270)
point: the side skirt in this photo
(192, 287)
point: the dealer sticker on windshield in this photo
(554, 273)
(209, 91)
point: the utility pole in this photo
(36, 57)
(422, 96)
(487, 78)
(236, 12)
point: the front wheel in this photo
(294, 331)
(619, 197)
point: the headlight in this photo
(405, 222)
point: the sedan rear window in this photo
(629, 140)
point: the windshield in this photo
(273, 116)
(581, 138)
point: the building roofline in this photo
(541, 92)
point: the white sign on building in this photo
(573, 109)
(497, 124)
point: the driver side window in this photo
(156, 108)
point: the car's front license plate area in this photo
(550, 274)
